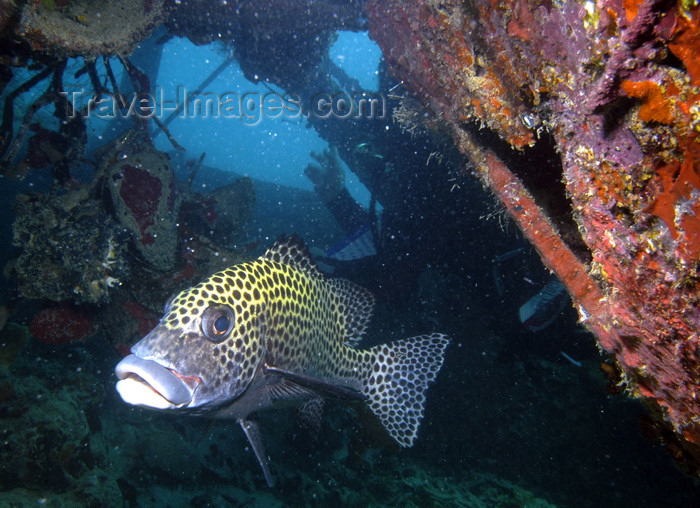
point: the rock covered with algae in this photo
(71, 249)
(89, 28)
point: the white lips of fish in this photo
(148, 384)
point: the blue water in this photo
(275, 149)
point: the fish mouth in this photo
(147, 383)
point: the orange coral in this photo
(520, 22)
(675, 204)
(631, 7)
(655, 107)
(685, 44)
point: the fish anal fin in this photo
(309, 415)
(304, 384)
(397, 383)
(356, 304)
(252, 432)
(292, 251)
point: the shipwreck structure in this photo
(582, 117)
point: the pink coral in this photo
(61, 324)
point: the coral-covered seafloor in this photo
(515, 429)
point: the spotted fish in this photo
(277, 329)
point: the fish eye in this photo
(217, 322)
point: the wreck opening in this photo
(539, 168)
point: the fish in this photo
(274, 330)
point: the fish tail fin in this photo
(396, 383)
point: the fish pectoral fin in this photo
(252, 432)
(315, 385)
(284, 389)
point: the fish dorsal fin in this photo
(292, 252)
(355, 305)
